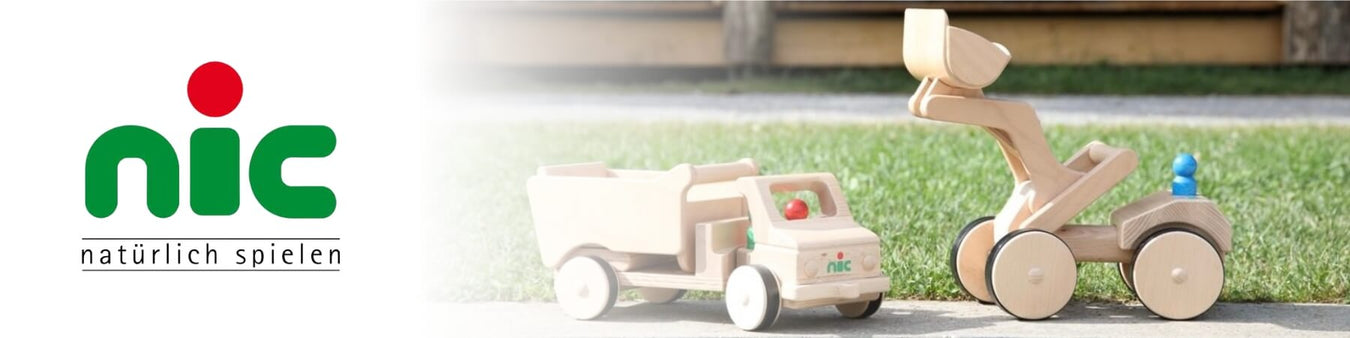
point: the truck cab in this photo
(826, 258)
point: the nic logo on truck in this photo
(214, 89)
(839, 266)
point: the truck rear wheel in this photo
(861, 310)
(660, 295)
(586, 287)
(752, 297)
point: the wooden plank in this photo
(833, 42)
(1135, 40)
(591, 41)
(685, 41)
(853, 41)
(715, 246)
(873, 7)
(834, 7)
(593, 7)
(669, 277)
(1094, 243)
(1109, 168)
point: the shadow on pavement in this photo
(821, 320)
(924, 319)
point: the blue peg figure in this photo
(1184, 184)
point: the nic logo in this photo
(839, 266)
(214, 90)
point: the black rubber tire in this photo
(1120, 269)
(773, 297)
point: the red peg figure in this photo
(796, 209)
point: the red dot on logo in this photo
(215, 89)
(839, 255)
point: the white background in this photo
(70, 71)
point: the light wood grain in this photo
(630, 211)
(972, 254)
(1033, 275)
(1162, 210)
(1178, 275)
(933, 49)
(925, 43)
(1109, 168)
(623, 261)
(670, 277)
(973, 61)
(1094, 243)
(716, 244)
(1022, 128)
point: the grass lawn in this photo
(1285, 188)
(1059, 80)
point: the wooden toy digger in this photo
(708, 227)
(1169, 249)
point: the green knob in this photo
(750, 238)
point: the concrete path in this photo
(1052, 109)
(896, 318)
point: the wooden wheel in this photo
(1031, 274)
(586, 287)
(1178, 275)
(861, 310)
(969, 254)
(660, 295)
(1126, 271)
(752, 297)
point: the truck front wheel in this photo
(752, 297)
(860, 310)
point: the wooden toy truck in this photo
(664, 232)
(1169, 249)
